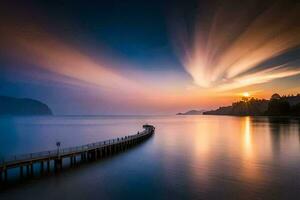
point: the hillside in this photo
(22, 106)
(192, 112)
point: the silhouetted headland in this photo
(276, 106)
(192, 112)
(22, 106)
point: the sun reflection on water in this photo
(210, 150)
(247, 138)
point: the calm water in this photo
(189, 157)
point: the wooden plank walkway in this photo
(89, 152)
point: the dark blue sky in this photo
(136, 30)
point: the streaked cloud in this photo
(240, 36)
(262, 76)
(45, 57)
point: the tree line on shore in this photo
(276, 106)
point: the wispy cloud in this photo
(239, 37)
(262, 76)
(43, 57)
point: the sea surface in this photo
(189, 157)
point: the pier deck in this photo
(88, 152)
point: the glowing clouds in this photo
(259, 77)
(227, 55)
(64, 62)
(196, 68)
(97, 80)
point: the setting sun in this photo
(246, 94)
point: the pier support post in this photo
(0, 175)
(101, 152)
(98, 154)
(85, 154)
(31, 169)
(71, 161)
(48, 166)
(57, 164)
(5, 175)
(21, 171)
(42, 167)
(27, 170)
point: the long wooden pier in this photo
(54, 158)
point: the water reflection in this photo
(276, 126)
(240, 149)
(190, 157)
(247, 138)
(285, 137)
(203, 143)
(249, 170)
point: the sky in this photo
(148, 57)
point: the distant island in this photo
(276, 106)
(192, 112)
(22, 106)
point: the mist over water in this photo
(197, 157)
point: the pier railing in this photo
(70, 150)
